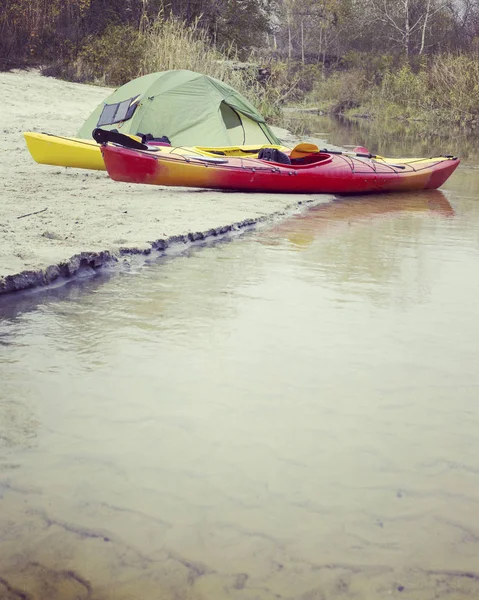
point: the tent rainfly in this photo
(190, 108)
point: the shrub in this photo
(123, 53)
(111, 59)
(406, 89)
(454, 81)
(342, 90)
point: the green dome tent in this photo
(190, 108)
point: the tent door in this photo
(233, 124)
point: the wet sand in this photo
(87, 220)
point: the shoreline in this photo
(79, 264)
(57, 222)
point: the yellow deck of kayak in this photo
(48, 149)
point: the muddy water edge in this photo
(292, 414)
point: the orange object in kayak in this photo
(318, 172)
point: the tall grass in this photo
(454, 82)
(123, 53)
(443, 88)
(173, 44)
(446, 88)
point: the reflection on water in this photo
(290, 415)
(367, 256)
(393, 138)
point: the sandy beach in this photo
(83, 219)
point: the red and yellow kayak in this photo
(318, 172)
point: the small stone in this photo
(51, 235)
(240, 582)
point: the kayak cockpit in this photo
(273, 155)
(312, 159)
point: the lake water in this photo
(290, 415)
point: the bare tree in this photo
(406, 22)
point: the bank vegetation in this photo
(407, 59)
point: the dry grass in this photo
(440, 89)
(173, 44)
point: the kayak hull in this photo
(49, 149)
(63, 151)
(321, 173)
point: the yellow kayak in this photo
(49, 149)
(61, 151)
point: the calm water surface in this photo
(293, 414)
